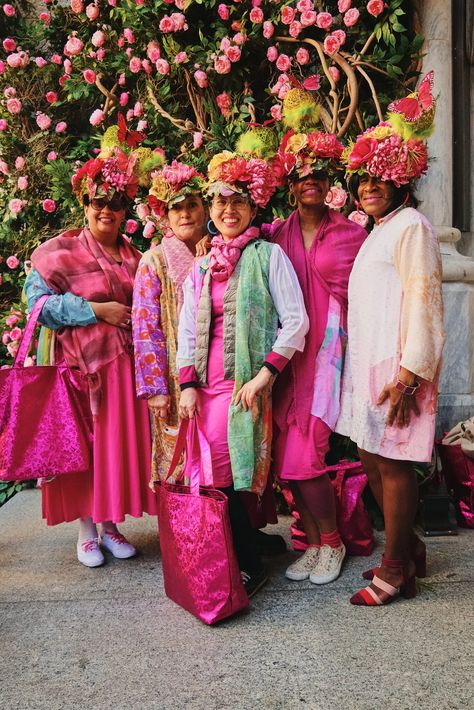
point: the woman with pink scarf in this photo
(321, 245)
(88, 274)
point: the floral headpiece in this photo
(394, 150)
(252, 177)
(172, 184)
(301, 154)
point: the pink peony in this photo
(135, 65)
(180, 58)
(197, 139)
(162, 67)
(9, 10)
(375, 7)
(343, 5)
(268, 29)
(256, 15)
(22, 182)
(302, 56)
(123, 100)
(9, 44)
(43, 121)
(14, 106)
(324, 20)
(96, 117)
(52, 155)
(12, 262)
(201, 78)
(331, 44)
(92, 12)
(351, 17)
(73, 47)
(233, 53)
(48, 205)
(222, 64)
(89, 76)
(51, 97)
(272, 54)
(131, 226)
(98, 38)
(287, 15)
(223, 11)
(60, 127)
(359, 218)
(283, 63)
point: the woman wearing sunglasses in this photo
(89, 275)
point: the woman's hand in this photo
(253, 388)
(188, 403)
(113, 313)
(402, 406)
(159, 403)
(203, 246)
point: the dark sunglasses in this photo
(115, 204)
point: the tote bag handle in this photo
(199, 470)
(28, 332)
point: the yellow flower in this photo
(381, 132)
(296, 143)
(159, 188)
(216, 162)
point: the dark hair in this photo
(401, 195)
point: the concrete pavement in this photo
(97, 639)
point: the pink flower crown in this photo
(103, 177)
(252, 177)
(172, 184)
(301, 154)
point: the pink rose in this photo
(309, 17)
(197, 139)
(148, 230)
(331, 44)
(375, 7)
(131, 226)
(11, 320)
(96, 117)
(268, 29)
(180, 58)
(61, 126)
(142, 125)
(256, 15)
(224, 102)
(129, 36)
(362, 152)
(17, 60)
(162, 67)
(15, 334)
(295, 28)
(123, 100)
(40, 62)
(9, 10)
(48, 205)
(340, 35)
(302, 56)
(153, 51)
(179, 21)
(77, 6)
(338, 197)
(201, 78)
(73, 47)
(51, 97)
(67, 66)
(12, 350)
(142, 210)
(5, 171)
(14, 106)
(135, 65)
(304, 5)
(223, 11)
(122, 80)
(22, 182)
(9, 44)
(275, 112)
(43, 121)
(89, 76)
(283, 63)
(324, 20)
(166, 24)
(222, 64)
(233, 53)
(52, 155)
(225, 44)
(56, 59)
(5, 335)
(239, 38)
(343, 5)
(12, 262)
(287, 15)
(335, 73)
(92, 12)
(138, 109)
(359, 218)
(3, 124)
(19, 163)
(45, 17)
(272, 54)
(98, 38)
(351, 17)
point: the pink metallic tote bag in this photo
(45, 417)
(200, 569)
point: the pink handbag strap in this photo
(29, 330)
(200, 473)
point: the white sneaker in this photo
(118, 545)
(89, 554)
(304, 565)
(329, 564)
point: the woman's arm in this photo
(61, 309)
(188, 403)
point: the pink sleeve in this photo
(278, 361)
(187, 374)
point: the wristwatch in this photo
(406, 389)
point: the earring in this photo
(212, 229)
(84, 222)
(292, 201)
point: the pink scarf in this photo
(225, 255)
(179, 261)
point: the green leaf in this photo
(397, 27)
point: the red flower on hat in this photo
(363, 151)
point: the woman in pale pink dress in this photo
(89, 275)
(396, 335)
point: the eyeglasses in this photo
(116, 204)
(239, 203)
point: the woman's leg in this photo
(88, 551)
(371, 468)
(242, 534)
(317, 497)
(307, 520)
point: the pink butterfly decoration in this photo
(413, 107)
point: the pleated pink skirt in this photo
(118, 484)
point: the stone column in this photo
(456, 400)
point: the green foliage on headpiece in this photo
(300, 111)
(110, 138)
(258, 142)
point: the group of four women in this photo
(249, 342)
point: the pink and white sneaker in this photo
(89, 554)
(118, 545)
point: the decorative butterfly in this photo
(413, 107)
(131, 138)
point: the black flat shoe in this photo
(253, 582)
(268, 545)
